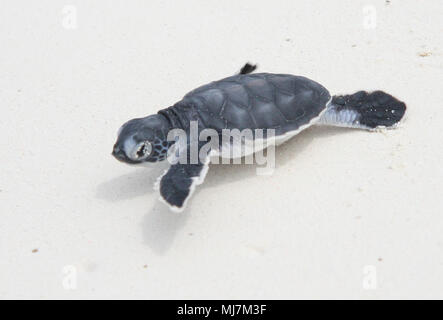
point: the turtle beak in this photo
(120, 155)
(115, 150)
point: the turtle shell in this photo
(259, 101)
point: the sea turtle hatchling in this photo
(286, 103)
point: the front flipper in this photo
(178, 183)
(248, 68)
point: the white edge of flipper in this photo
(195, 182)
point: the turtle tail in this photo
(364, 110)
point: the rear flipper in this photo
(364, 110)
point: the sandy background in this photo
(346, 214)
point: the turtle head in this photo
(143, 140)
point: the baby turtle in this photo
(286, 103)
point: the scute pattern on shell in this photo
(258, 101)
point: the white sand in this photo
(340, 202)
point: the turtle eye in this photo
(143, 150)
